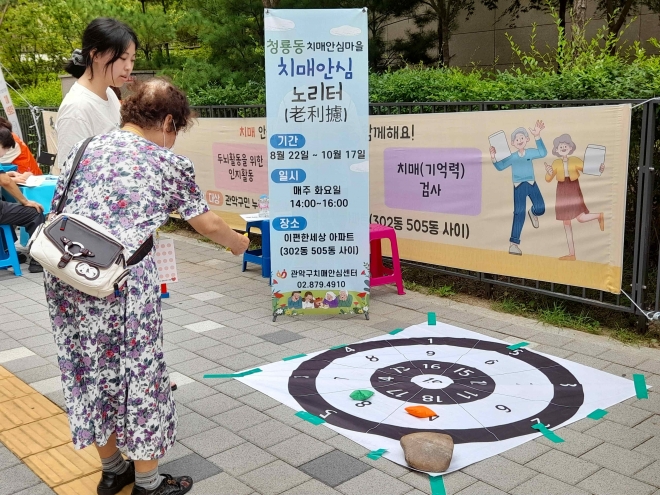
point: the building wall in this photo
(480, 41)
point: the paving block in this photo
(500, 472)
(26, 410)
(192, 392)
(37, 436)
(259, 401)
(606, 482)
(196, 343)
(268, 433)
(242, 459)
(240, 418)
(233, 388)
(22, 478)
(650, 474)
(62, 464)
(619, 460)
(563, 466)
(650, 448)
(311, 487)
(7, 459)
(481, 488)
(456, 481)
(274, 478)
(40, 373)
(192, 465)
(202, 325)
(623, 357)
(176, 451)
(221, 484)
(43, 489)
(192, 424)
(206, 296)
(335, 468)
(281, 337)
(213, 441)
(213, 405)
(526, 452)
(652, 404)
(651, 425)
(651, 365)
(240, 362)
(320, 432)
(627, 438)
(217, 351)
(348, 446)
(4, 373)
(627, 415)
(553, 351)
(575, 443)
(546, 485)
(242, 340)
(264, 349)
(374, 482)
(299, 449)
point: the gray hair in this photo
(520, 130)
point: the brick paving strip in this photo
(234, 440)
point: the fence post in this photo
(645, 179)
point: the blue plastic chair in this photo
(8, 254)
(259, 256)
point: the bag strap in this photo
(76, 161)
(141, 252)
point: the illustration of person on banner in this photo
(570, 202)
(524, 181)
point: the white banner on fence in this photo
(8, 106)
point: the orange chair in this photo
(380, 274)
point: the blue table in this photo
(42, 194)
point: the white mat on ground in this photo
(486, 396)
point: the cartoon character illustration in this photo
(330, 300)
(308, 301)
(87, 271)
(570, 202)
(524, 181)
(345, 299)
(295, 301)
(318, 303)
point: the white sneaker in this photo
(514, 249)
(534, 219)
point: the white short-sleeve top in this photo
(83, 114)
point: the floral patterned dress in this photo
(110, 351)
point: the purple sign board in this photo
(440, 180)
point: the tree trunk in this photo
(164, 7)
(579, 14)
(614, 25)
(562, 13)
(270, 4)
(167, 51)
(441, 60)
(445, 42)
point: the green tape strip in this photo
(338, 347)
(431, 318)
(640, 386)
(289, 358)
(517, 346)
(395, 331)
(437, 485)
(234, 375)
(376, 454)
(548, 434)
(315, 420)
(597, 414)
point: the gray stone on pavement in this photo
(334, 468)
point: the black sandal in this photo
(169, 486)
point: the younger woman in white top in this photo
(91, 107)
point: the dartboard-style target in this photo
(484, 395)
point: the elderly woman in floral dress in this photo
(114, 376)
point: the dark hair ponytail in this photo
(102, 35)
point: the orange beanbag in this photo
(421, 411)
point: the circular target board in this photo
(480, 390)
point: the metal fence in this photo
(641, 278)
